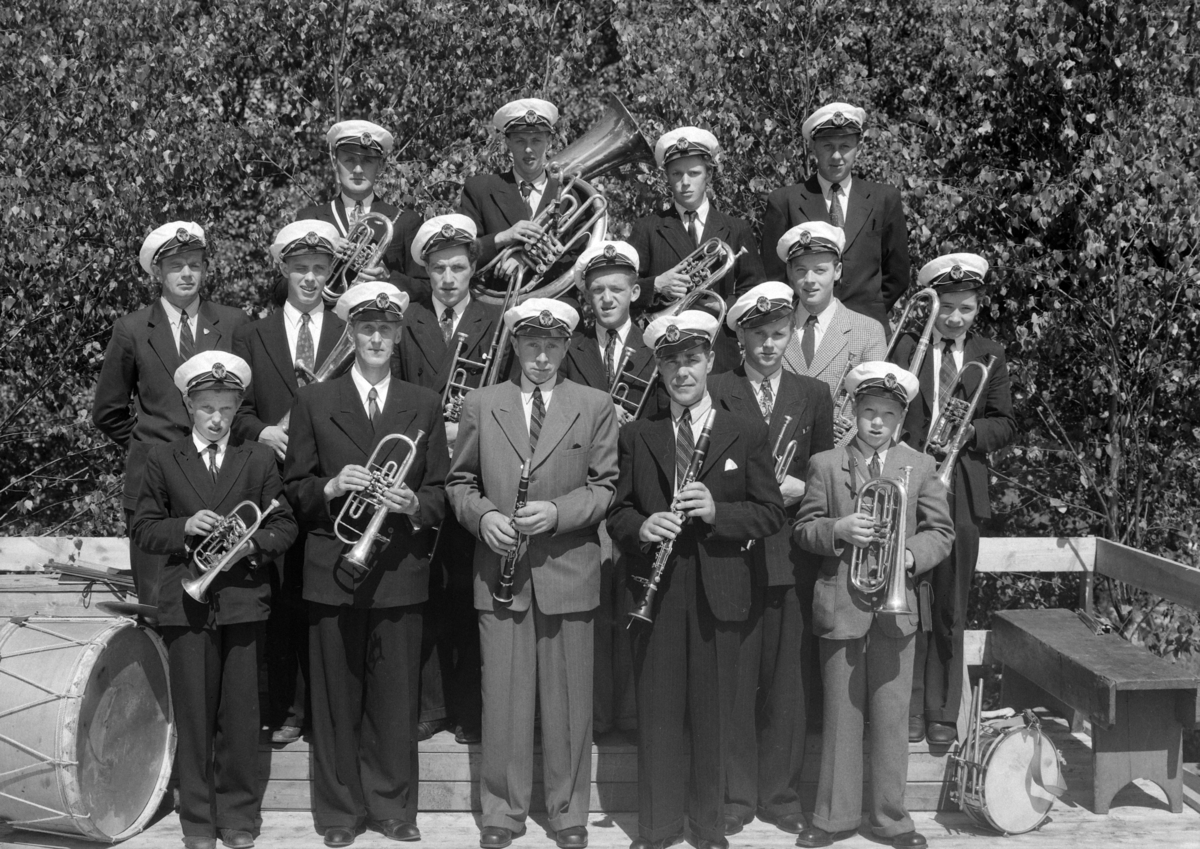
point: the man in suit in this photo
(450, 663)
(666, 237)
(189, 488)
(358, 151)
(284, 350)
(136, 403)
(829, 338)
(958, 280)
(778, 652)
(685, 660)
(876, 264)
(866, 653)
(365, 622)
(537, 648)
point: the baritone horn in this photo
(879, 566)
(703, 267)
(365, 247)
(223, 545)
(948, 434)
(370, 500)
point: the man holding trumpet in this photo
(365, 616)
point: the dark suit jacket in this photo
(264, 345)
(995, 426)
(403, 270)
(423, 357)
(585, 364)
(840, 612)
(875, 263)
(494, 203)
(807, 401)
(176, 486)
(137, 404)
(330, 430)
(740, 475)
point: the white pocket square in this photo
(730, 465)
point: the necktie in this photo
(304, 344)
(767, 401)
(693, 227)
(873, 467)
(685, 444)
(526, 190)
(808, 341)
(946, 374)
(212, 459)
(536, 419)
(373, 407)
(610, 350)
(358, 213)
(187, 343)
(835, 206)
(447, 323)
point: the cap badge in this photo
(672, 333)
(312, 239)
(805, 237)
(531, 117)
(890, 381)
(956, 272)
(218, 371)
(546, 318)
(763, 304)
(838, 119)
(447, 231)
(382, 301)
(366, 139)
(610, 251)
(183, 235)
(682, 144)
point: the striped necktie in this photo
(187, 342)
(685, 444)
(610, 350)
(536, 418)
(835, 206)
(946, 374)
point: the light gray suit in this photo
(547, 630)
(851, 335)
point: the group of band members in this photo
(532, 515)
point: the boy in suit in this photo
(685, 661)
(778, 653)
(189, 487)
(539, 644)
(867, 654)
(136, 403)
(958, 280)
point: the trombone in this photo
(703, 267)
(223, 546)
(948, 433)
(457, 386)
(879, 566)
(383, 477)
(926, 336)
(364, 248)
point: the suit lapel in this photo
(548, 194)
(720, 439)
(972, 353)
(428, 338)
(811, 202)
(717, 226)
(925, 379)
(510, 416)
(857, 211)
(337, 211)
(352, 418)
(788, 394)
(161, 338)
(274, 339)
(509, 201)
(659, 436)
(208, 330)
(587, 359)
(560, 415)
(670, 226)
(195, 470)
(832, 343)
(332, 328)
(235, 459)
(396, 416)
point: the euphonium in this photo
(948, 433)
(220, 549)
(913, 366)
(782, 461)
(331, 367)
(879, 566)
(383, 478)
(364, 248)
(703, 267)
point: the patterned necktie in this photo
(836, 218)
(187, 343)
(808, 341)
(874, 469)
(946, 373)
(447, 323)
(685, 444)
(373, 407)
(305, 354)
(358, 213)
(693, 227)
(536, 419)
(767, 399)
(212, 459)
(526, 188)
(610, 350)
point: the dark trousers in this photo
(770, 707)
(685, 672)
(214, 691)
(146, 568)
(287, 641)
(937, 670)
(613, 703)
(364, 668)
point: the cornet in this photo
(948, 433)
(364, 248)
(359, 502)
(704, 268)
(223, 545)
(879, 566)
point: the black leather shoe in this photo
(286, 734)
(497, 836)
(791, 823)
(199, 843)
(942, 733)
(425, 730)
(339, 835)
(909, 840)
(733, 824)
(719, 843)
(813, 838)
(236, 838)
(575, 837)
(466, 736)
(397, 829)
(643, 843)
(916, 727)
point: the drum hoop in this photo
(974, 804)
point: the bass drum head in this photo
(1014, 803)
(126, 735)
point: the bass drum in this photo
(1014, 779)
(88, 735)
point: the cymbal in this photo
(127, 608)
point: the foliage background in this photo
(1057, 138)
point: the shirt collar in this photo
(174, 313)
(202, 442)
(350, 202)
(960, 344)
(527, 387)
(539, 185)
(699, 410)
(755, 377)
(292, 315)
(622, 333)
(364, 386)
(866, 451)
(825, 185)
(701, 213)
(824, 318)
(459, 308)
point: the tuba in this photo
(364, 248)
(578, 214)
(948, 433)
(703, 267)
(383, 477)
(223, 545)
(330, 367)
(880, 565)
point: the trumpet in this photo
(948, 433)
(383, 477)
(918, 356)
(364, 248)
(880, 565)
(331, 367)
(508, 566)
(645, 612)
(703, 267)
(782, 461)
(223, 545)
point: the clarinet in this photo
(665, 547)
(508, 566)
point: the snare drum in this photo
(87, 734)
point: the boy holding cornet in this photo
(873, 503)
(191, 490)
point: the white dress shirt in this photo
(701, 218)
(619, 348)
(349, 203)
(539, 189)
(756, 380)
(458, 310)
(824, 319)
(175, 317)
(292, 323)
(202, 442)
(828, 195)
(527, 387)
(364, 388)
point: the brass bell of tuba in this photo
(879, 566)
